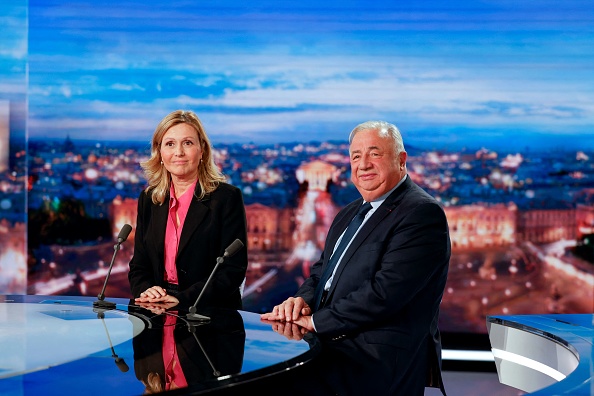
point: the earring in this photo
(161, 163)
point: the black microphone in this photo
(122, 236)
(233, 248)
(230, 251)
(124, 232)
(101, 315)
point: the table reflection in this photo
(176, 353)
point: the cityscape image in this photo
(495, 102)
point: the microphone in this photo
(118, 360)
(122, 236)
(235, 246)
(124, 232)
(232, 249)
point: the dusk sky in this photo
(447, 73)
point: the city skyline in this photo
(505, 256)
(448, 74)
(416, 146)
(454, 76)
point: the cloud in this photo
(260, 78)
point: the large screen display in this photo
(495, 101)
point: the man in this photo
(378, 308)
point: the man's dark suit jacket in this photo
(382, 310)
(211, 225)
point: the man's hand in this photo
(293, 310)
(290, 330)
(289, 310)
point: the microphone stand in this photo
(101, 302)
(230, 251)
(118, 360)
(192, 329)
(193, 316)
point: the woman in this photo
(187, 217)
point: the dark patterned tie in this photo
(346, 238)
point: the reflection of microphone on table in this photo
(122, 236)
(230, 251)
(192, 329)
(118, 360)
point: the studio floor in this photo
(464, 383)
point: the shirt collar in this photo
(185, 197)
(377, 202)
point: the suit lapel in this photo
(340, 227)
(376, 218)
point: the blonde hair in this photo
(153, 384)
(159, 179)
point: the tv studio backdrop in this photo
(494, 101)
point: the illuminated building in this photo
(13, 255)
(269, 229)
(476, 227)
(546, 225)
(317, 174)
(584, 216)
(123, 211)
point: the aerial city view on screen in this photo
(494, 102)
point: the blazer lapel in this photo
(196, 213)
(160, 213)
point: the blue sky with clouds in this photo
(448, 73)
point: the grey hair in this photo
(384, 129)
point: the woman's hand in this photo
(157, 307)
(156, 294)
(153, 292)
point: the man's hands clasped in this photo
(291, 318)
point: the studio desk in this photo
(65, 345)
(544, 354)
